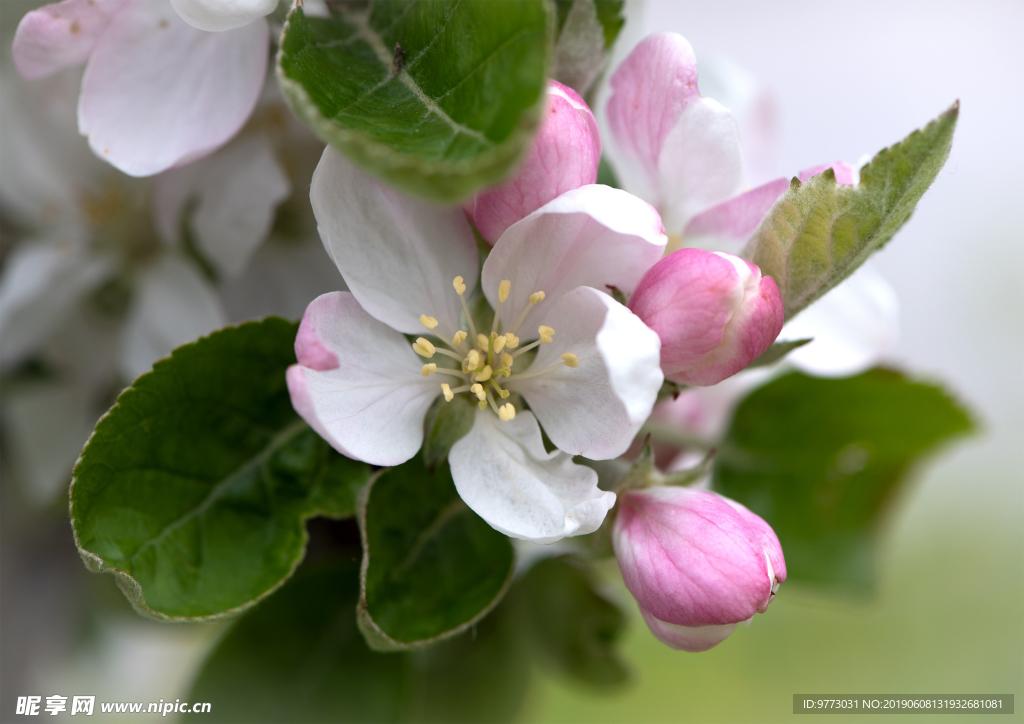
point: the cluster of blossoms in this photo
(589, 298)
(555, 350)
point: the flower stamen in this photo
(424, 347)
(428, 369)
(428, 322)
(535, 298)
(460, 289)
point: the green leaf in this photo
(194, 487)
(777, 351)
(574, 627)
(445, 424)
(587, 29)
(822, 459)
(299, 657)
(819, 232)
(438, 98)
(431, 566)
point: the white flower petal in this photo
(358, 382)
(220, 15)
(41, 284)
(592, 236)
(503, 473)
(854, 327)
(398, 255)
(596, 409)
(173, 305)
(158, 93)
(701, 163)
(235, 192)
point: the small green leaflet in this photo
(431, 566)
(194, 487)
(822, 459)
(437, 97)
(819, 232)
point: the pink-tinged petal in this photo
(736, 219)
(687, 638)
(714, 313)
(565, 155)
(845, 173)
(694, 558)
(369, 400)
(60, 35)
(597, 408)
(221, 15)
(650, 90)
(159, 93)
(593, 236)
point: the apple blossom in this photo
(565, 155)
(412, 268)
(157, 92)
(714, 313)
(696, 562)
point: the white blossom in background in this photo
(158, 91)
(100, 283)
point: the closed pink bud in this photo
(696, 562)
(714, 312)
(565, 156)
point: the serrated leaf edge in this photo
(131, 588)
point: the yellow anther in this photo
(506, 371)
(536, 297)
(507, 412)
(482, 404)
(546, 333)
(511, 341)
(428, 322)
(448, 394)
(482, 342)
(458, 338)
(484, 375)
(501, 393)
(571, 360)
(503, 289)
(478, 390)
(499, 344)
(472, 360)
(460, 288)
(507, 360)
(428, 369)
(423, 347)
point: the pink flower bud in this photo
(565, 156)
(714, 312)
(696, 562)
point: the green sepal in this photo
(777, 351)
(445, 424)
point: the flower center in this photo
(486, 366)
